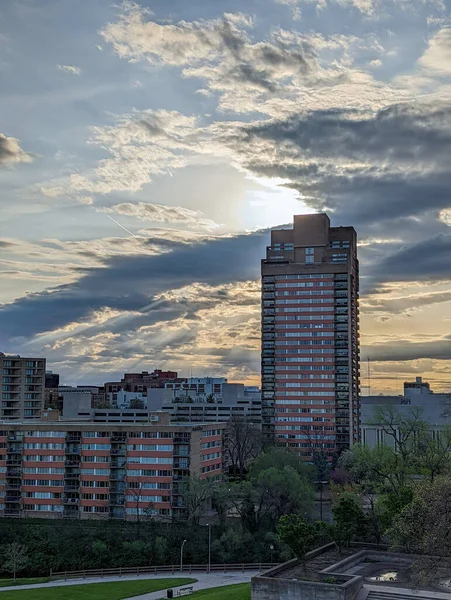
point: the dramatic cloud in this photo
(11, 152)
(404, 350)
(195, 119)
(70, 69)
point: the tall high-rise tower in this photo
(310, 336)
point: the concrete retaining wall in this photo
(268, 588)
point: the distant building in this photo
(138, 382)
(90, 470)
(52, 380)
(23, 384)
(435, 410)
(310, 336)
(209, 400)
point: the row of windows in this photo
(44, 507)
(306, 368)
(43, 446)
(304, 284)
(307, 385)
(304, 402)
(147, 511)
(96, 459)
(303, 276)
(298, 301)
(42, 470)
(147, 460)
(305, 351)
(42, 495)
(132, 498)
(303, 436)
(301, 410)
(95, 484)
(310, 376)
(304, 317)
(94, 496)
(216, 444)
(306, 326)
(95, 471)
(282, 394)
(327, 342)
(148, 473)
(151, 447)
(328, 293)
(211, 432)
(46, 434)
(303, 359)
(43, 458)
(305, 309)
(149, 485)
(307, 334)
(211, 456)
(44, 482)
(209, 468)
(158, 435)
(96, 446)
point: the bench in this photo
(185, 591)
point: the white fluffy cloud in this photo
(11, 152)
(438, 53)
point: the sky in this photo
(147, 149)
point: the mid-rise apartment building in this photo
(310, 336)
(23, 386)
(94, 470)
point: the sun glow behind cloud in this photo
(273, 204)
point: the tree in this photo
(136, 403)
(196, 493)
(423, 528)
(243, 444)
(280, 458)
(268, 494)
(15, 558)
(135, 495)
(349, 519)
(298, 534)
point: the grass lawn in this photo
(97, 591)
(240, 591)
(23, 581)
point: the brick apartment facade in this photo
(310, 336)
(99, 470)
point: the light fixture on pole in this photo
(181, 554)
(321, 483)
(271, 547)
(209, 547)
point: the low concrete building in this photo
(435, 409)
(233, 399)
(356, 573)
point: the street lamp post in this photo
(181, 554)
(271, 547)
(321, 483)
(209, 547)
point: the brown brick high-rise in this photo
(310, 336)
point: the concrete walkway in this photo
(204, 581)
